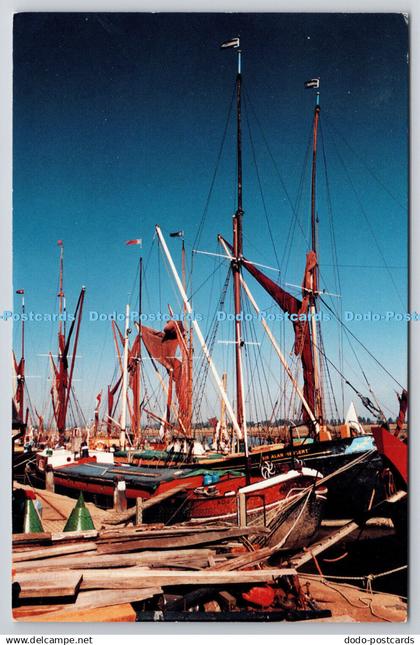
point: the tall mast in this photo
(61, 296)
(189, 344)
(236, 264)
(184, 276)
(138, 368)
(272, 339)
(319, 407)
(20, 388)
(62, 367)
(22, 375)
(23, 328)
(317, 110)
(222, 420)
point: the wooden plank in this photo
(146, 532)
(134, 578)
(66, 536)
(123, 613)
(52, 551)
(26, 611)
(88, 600)
(240, 561)
(174, 542)
(94, 561)
(27, 538)
(109, 597)
(53, 585)
(318, 547)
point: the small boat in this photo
(218, 501)
(288, 504)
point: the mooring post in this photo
(120, 499)
(241, 509)
(49, 479)
(139, 511)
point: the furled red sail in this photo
(20, 380)
(133, 357)
(290, 304)
(403, 399)
(162, 346)
(61, 386)
(60, 383)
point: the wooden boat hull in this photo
(352, 491)
(222, 505)
(350, 494)
(300, 525)
(201, 501)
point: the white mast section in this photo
(317, 363)
(273, 342)
(123, 434)
(200, 336)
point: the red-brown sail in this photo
(291, 305)
(20, 384)
(133, 355)
(162, 346)
(62, 381)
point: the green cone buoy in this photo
(79, 519)
(31, 520)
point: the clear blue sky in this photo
(118, 120)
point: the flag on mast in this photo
(177, 234)
(20, 291)
(312, 83)
(60, 242)
(232, 43)
(132, 242)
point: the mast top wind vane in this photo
(313, 84)
(233, 43)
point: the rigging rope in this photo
(210, 341)
(372, 232)
(276, 168)
(335, 258)
(254, 157)
(364, 399)
(369, 169)
(213, 180)
(362, 344)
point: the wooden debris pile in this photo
(155, 572)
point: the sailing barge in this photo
(318, 450)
